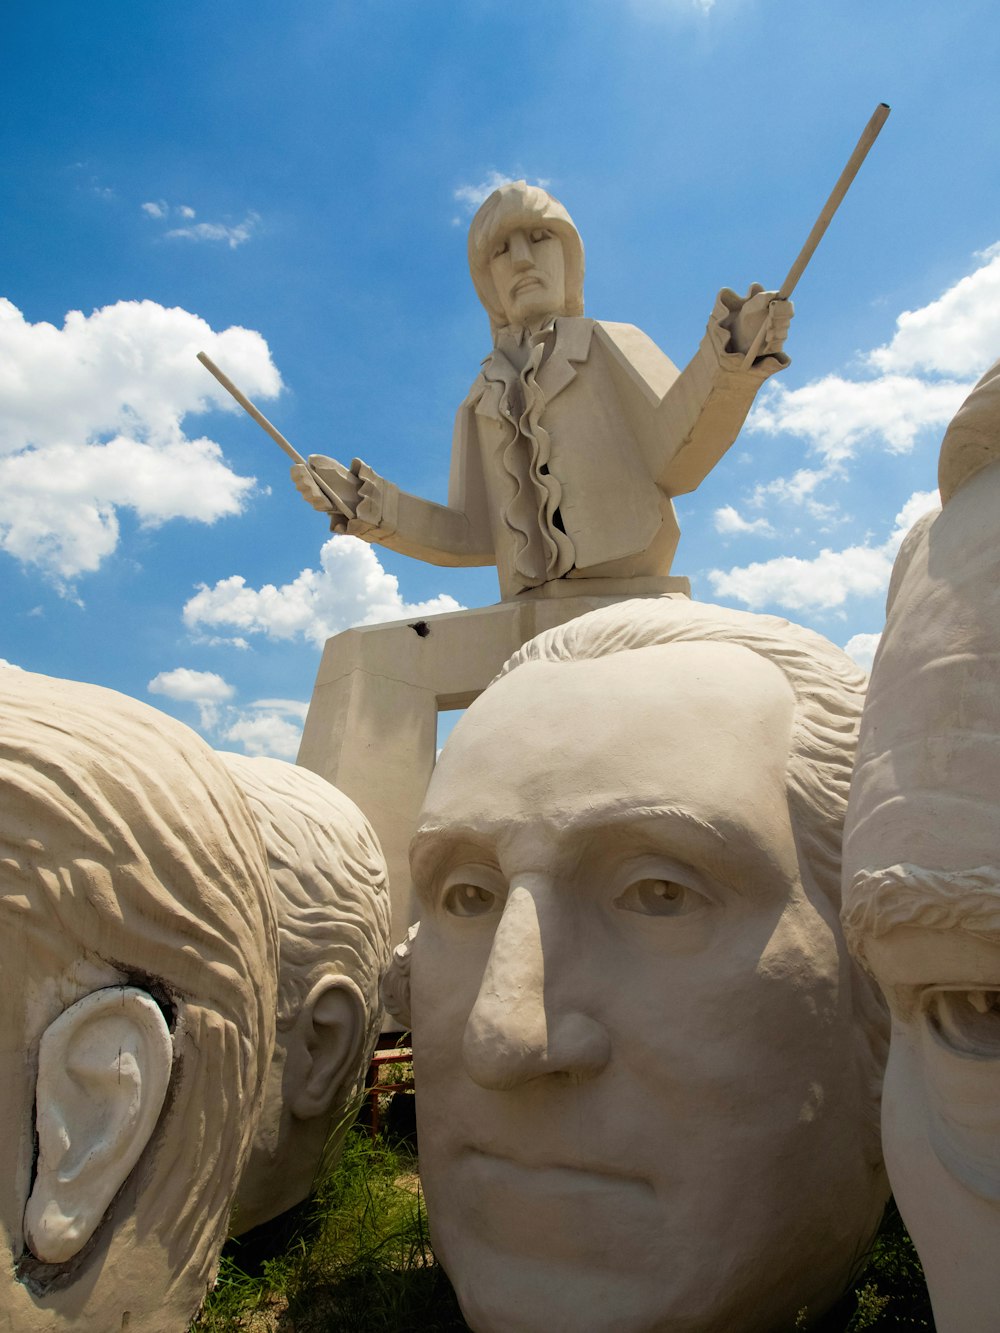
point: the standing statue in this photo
(648, 1070)
(922, 871)
(138, 956)
(576, 434)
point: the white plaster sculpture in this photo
(332, 901)
(922, 872)
(647, 1067)
(138, 954)
(575, 435)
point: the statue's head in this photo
(647, 1066)
(922, 870)
(526, 257)
(332, 901)
(138, 955)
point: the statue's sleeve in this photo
(684, 421)
(457, 533)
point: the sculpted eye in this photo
(657, 897)
(470, 900)
(541, 234)
(501, 249)
(967, 1020)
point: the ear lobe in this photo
(103, 1070)
(333, 1025)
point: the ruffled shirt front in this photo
(542, 550)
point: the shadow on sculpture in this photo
(922, 871)
(648, 1071)
(138, 950)
(332, 903)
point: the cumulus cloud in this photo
(956, 335)
(350, 588)
(862, 648)
(472, 195)
(91, 418)
(271, 727)
(826, 581)
(912, 384)
(266, 727)
(205, 689)
(731, 523)
(156, 208)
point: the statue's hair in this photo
(331, 886)
(907, 895)
(125, 843)
(829, 690)
(518, 204)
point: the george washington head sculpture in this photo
(647, 1067)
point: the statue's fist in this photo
(751, 313)
(329, 487)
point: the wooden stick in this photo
(868, 136)
(273, 431)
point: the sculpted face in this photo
(528, 269)
(922, 896)
(633, 1027)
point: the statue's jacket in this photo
(566, 467)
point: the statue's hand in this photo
(337, 479)
(371, 494)
(748, 313)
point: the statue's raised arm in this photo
(576, 433)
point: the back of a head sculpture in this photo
(922, 870)
(135, 909)
(332, 903)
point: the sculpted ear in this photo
(103, 1070)
(332, 1023)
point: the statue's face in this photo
(632, 1020)
(528, 269)
(926, 798)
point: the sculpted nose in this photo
(520, 250)
(514, 1033)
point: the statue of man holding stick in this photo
(577, 433)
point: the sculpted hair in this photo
(829, 691)
(518, 204)
(330, 882)
(125, 844)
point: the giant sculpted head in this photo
(647, 1066)
(138, 958)
(922, 871)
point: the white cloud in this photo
(270, 727)
(828, 580)
(731, 523)
(862, 648)
(350, 588)
(915, 382)
(205, 689)
(185, 211)
(91, 421)
(956, 335)
(471, 196)
(836, 415)
(156, 208)
(217, 231)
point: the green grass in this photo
(357, 1260)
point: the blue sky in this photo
(289, 188)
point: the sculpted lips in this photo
(552, 1176)
(523, 284)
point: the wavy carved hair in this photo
(125, 844)
(331, 886)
